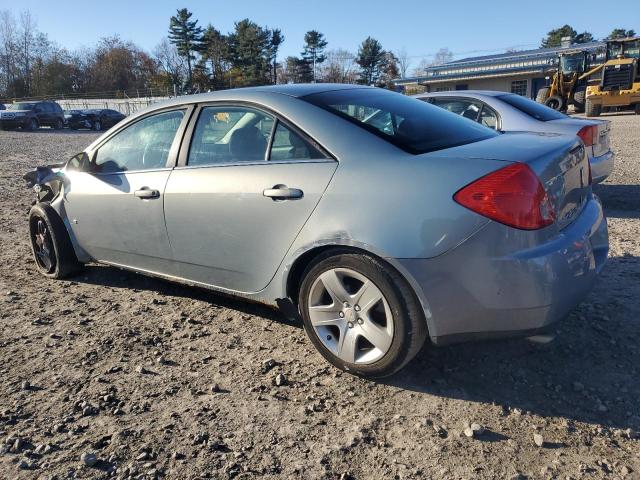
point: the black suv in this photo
(32, 115)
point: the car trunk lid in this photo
(601, 139)
(559, 161)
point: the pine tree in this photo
(185, 34)
(371, 58)
(313, 53)
(250, 52)
(277, 39)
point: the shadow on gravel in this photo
(617, 198)
(590, 373)
(116, 278)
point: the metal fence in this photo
(126, 106)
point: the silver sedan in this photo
(379, 219)
(513, 113)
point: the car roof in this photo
(464, 93)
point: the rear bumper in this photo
(602, 166)
(506, 282)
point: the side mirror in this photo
(79, 162)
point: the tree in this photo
(371, 58)
(389, 71)
(313, 53)
(250, 54)
(215, 51)
(404, 62)
(296, 70)
(277, 39)
(185, 34)
(621, 33)
(584, 37)
(420, 68)
(340, 67)
(555, 36)
(170, 63)
(442, 56)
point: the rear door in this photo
(116, 204)
(242, 191)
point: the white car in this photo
(509, 112)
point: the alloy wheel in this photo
(350, 316)
(43, 245)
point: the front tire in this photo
(360, 313)
(32, 125)
(556, 102)
(50, 243)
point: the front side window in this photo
(412, 125)
(226, 135)
(288, 145)
(143, 145)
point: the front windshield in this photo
(22, 106)
(572, 63)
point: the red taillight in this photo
(589, 135)
(512, 195)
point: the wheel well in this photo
(294, 279)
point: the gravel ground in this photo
(114, 374)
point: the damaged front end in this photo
(45, 181)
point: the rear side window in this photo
(531, 108)
(410, 124)
(288, 145)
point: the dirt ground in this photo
(116, 375)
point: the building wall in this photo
(503, 84)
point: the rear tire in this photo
(556, 102)
(395, 322)
(637, 109)
(50, 243)
(592, 109)
(579, 100)
(542, 95)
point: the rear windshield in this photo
(531, 108)
(410, 124)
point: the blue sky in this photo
(467, 28)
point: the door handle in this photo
(146, 192)
(282, 192)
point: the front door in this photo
(115, 205)
(235, 208)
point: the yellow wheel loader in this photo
(619, 85)
(567, 85)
